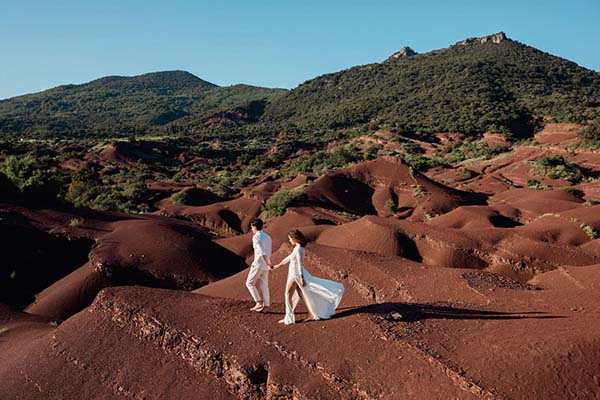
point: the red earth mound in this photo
(559, 134)
(148, 251)
(33, 259)
(70, 294)
(310, 221)
(517, 251)
(129, 152)
(414, 241)
(474, 217)
(449, 293)
(226, 218)
(262, 189)
(195, 196)
(367, 188)
(166, 252)
(532, 203)
(299, 180)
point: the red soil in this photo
(196, 196)
(226, 218)
(299, 180)
(532, 203)
(559, 134)
(70, 294)
(149, 251)
(474, 217)
(451, 295)
(365, 188)
(495, 139)
(169, 253)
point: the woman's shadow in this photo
(410, 312)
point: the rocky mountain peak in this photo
(402, 53)
(495, 38)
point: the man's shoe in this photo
(259, 309)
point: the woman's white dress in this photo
(321, 296)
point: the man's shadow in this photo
(411, 312)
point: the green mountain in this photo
(480, 84)
(120, 105)
(477, 85)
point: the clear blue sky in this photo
(267, 43)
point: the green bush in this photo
(372, 152)
(180, 198)
(36, 178)
(75, 222)
(85, 186)
(556, 167)
(390, 205)
(88, 190)
(575, 192)
(535, 184)
(420, 162)
(590, 135)
(280, 201)
(412, 148)
(470, 150)
(322, 161)
(590, 231)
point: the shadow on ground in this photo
(417, 312)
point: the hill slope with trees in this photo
(481, 84)
(123, 105)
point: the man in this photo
(259, 270)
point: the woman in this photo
(321, 296)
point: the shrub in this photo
(75, 222)
(390, 205)
(590, 135)
(555, 167)
(590, 231)
(280, 201)
(372, 152)
(419, 162)
(180, 198)
(418, 191)
(575, 192)
(412, 148)
(322, 161)
(106, 201)
(133, 190)
(535, 184)
(428, 217)
(88, 190)
(465, 174)
(36, 179)
(84, 187)
(464, 151)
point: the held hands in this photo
(302, 281)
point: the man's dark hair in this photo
(257, 223)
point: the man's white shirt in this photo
(262, 244)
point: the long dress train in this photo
(321, 296)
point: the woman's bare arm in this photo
(284, 261)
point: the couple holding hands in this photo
(321, 296)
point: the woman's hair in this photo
(298, 237)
